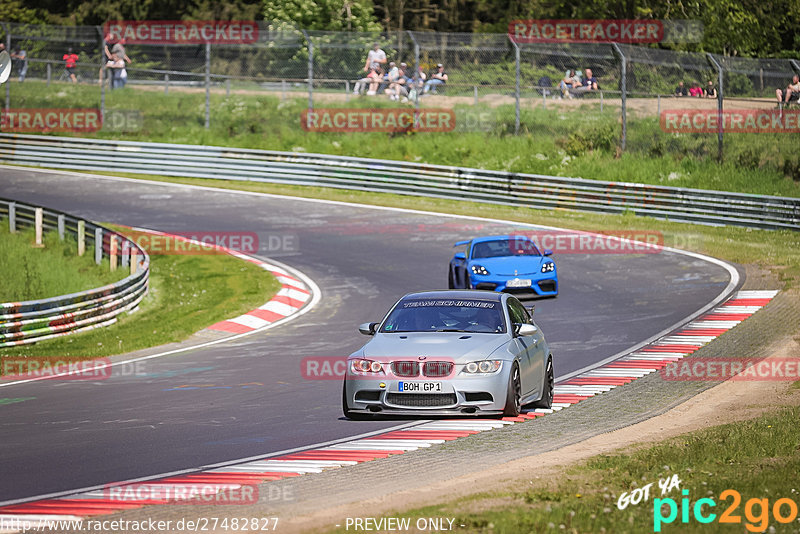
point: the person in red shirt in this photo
(70, 60)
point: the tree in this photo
(330, 15)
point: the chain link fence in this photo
(520, 84)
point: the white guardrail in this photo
(36, 320)
(457, 183)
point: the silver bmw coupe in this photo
(450, 353)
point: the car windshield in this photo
(446, 315)
(517, 246)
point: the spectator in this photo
(589, 84)
(22, 63)
(399, 87)
(375, 58)
(370, 82)
(570, 81)
(417, 86)
(390, 79)
(711, 91)
(436, 79)
(792, 91)
(118, 50)
(695, 90)
(70, 60)
(681, 90)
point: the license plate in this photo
(519, 282)
(420, 387)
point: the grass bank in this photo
(578, 141)
(30, 273)
(187, 293)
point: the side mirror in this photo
(548, 252)
(525, 329)
(460, 256)
(368, 329)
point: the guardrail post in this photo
(112, 252)
(37, 224)
(624, 88)
(81, 238)
(134, 260)
(717, 66)
(98, 245)
(125, 253)
(208, 85)
(12, 217)
(61, 227)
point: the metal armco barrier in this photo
(37, 320)
(456, 183)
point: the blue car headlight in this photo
(548, 267)
(479, 269)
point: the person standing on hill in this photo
(70, 60)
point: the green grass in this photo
(584, 497)
(30, 273)
(187, 293)
(578, 142)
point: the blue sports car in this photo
(507, 263)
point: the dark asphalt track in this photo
(75, 434)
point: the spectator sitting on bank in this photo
(389, 78)
(370, 83)
(417, 87)
(397, 83)
(70, 60)
(570, 81)
(21, 58)
(589, 84)
(681, 90)
(792, 93)
(695, 90)
(376, 58)
(710, 91)
(436, 79)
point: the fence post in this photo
(37, 225)
(125, 253)
(417, 89)
(227, 87)
(81, 238)
(61, 226)
(795, 66)
(208, 85)
(112, 252)
(98, 246)
(166, 84)
(624, 90)
(102, 74)
(8, 48)
(283, 90)
(516, 84)
(717, 66)
(49, 73)
(310, 70)
(134, 260)
(12, 217)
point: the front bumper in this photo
(541, 286)
(462, 395)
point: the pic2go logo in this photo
(756, 511)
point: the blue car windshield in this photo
(446, 315)
(504, 247)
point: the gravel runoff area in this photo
(321, 501)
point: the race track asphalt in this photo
(247, 397)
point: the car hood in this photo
(459, 346)
(506, 265)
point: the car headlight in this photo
(366, 366)
(548, 267)
(482, 367)
(479, 269)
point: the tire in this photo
(513, 400)
(354, 416)
(549, 384)
(450, 282)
